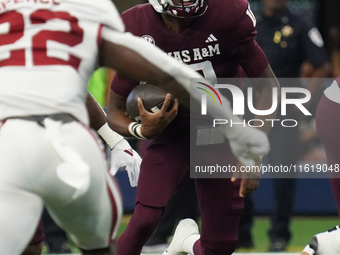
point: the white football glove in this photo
(247, 143)
(123, 155)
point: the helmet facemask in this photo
(185, 9)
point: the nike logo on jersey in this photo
(196, 54)
(211, 38)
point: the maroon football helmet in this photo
(184, 8)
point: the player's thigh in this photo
(21, 207)
(164, 168)
(88, 204)
(221, 208)
(19, 215)
(64, 165)
(92, 219)
(328, 126)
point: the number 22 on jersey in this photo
(12, 25)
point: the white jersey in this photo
(48, 50)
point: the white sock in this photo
(188, 243)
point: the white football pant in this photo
(63, 167)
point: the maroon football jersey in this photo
(218, 44)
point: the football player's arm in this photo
(96, 114)
(256, 66)
(117, 118)
(121, 152)
(250, 181)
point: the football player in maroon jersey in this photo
(48, 154)
(215, 38)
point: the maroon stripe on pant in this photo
(114, 212)
(39, 234)
(1, 124)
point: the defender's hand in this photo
(123, 155)
(246, 142)
(155, 123)
(249, 181)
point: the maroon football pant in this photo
(221, 208)
(328, 127)
(164, 168)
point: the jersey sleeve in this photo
(247, 52)
(313, 46)
(252, 59)
(122, 86)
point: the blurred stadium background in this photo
(315, 209)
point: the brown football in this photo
(152, 96)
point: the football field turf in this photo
(302, 227)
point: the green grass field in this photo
(303, 228)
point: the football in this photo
(152, 96)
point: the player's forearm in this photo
(117, 118)
(98, 122)
(96, 114)
(119, 122)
